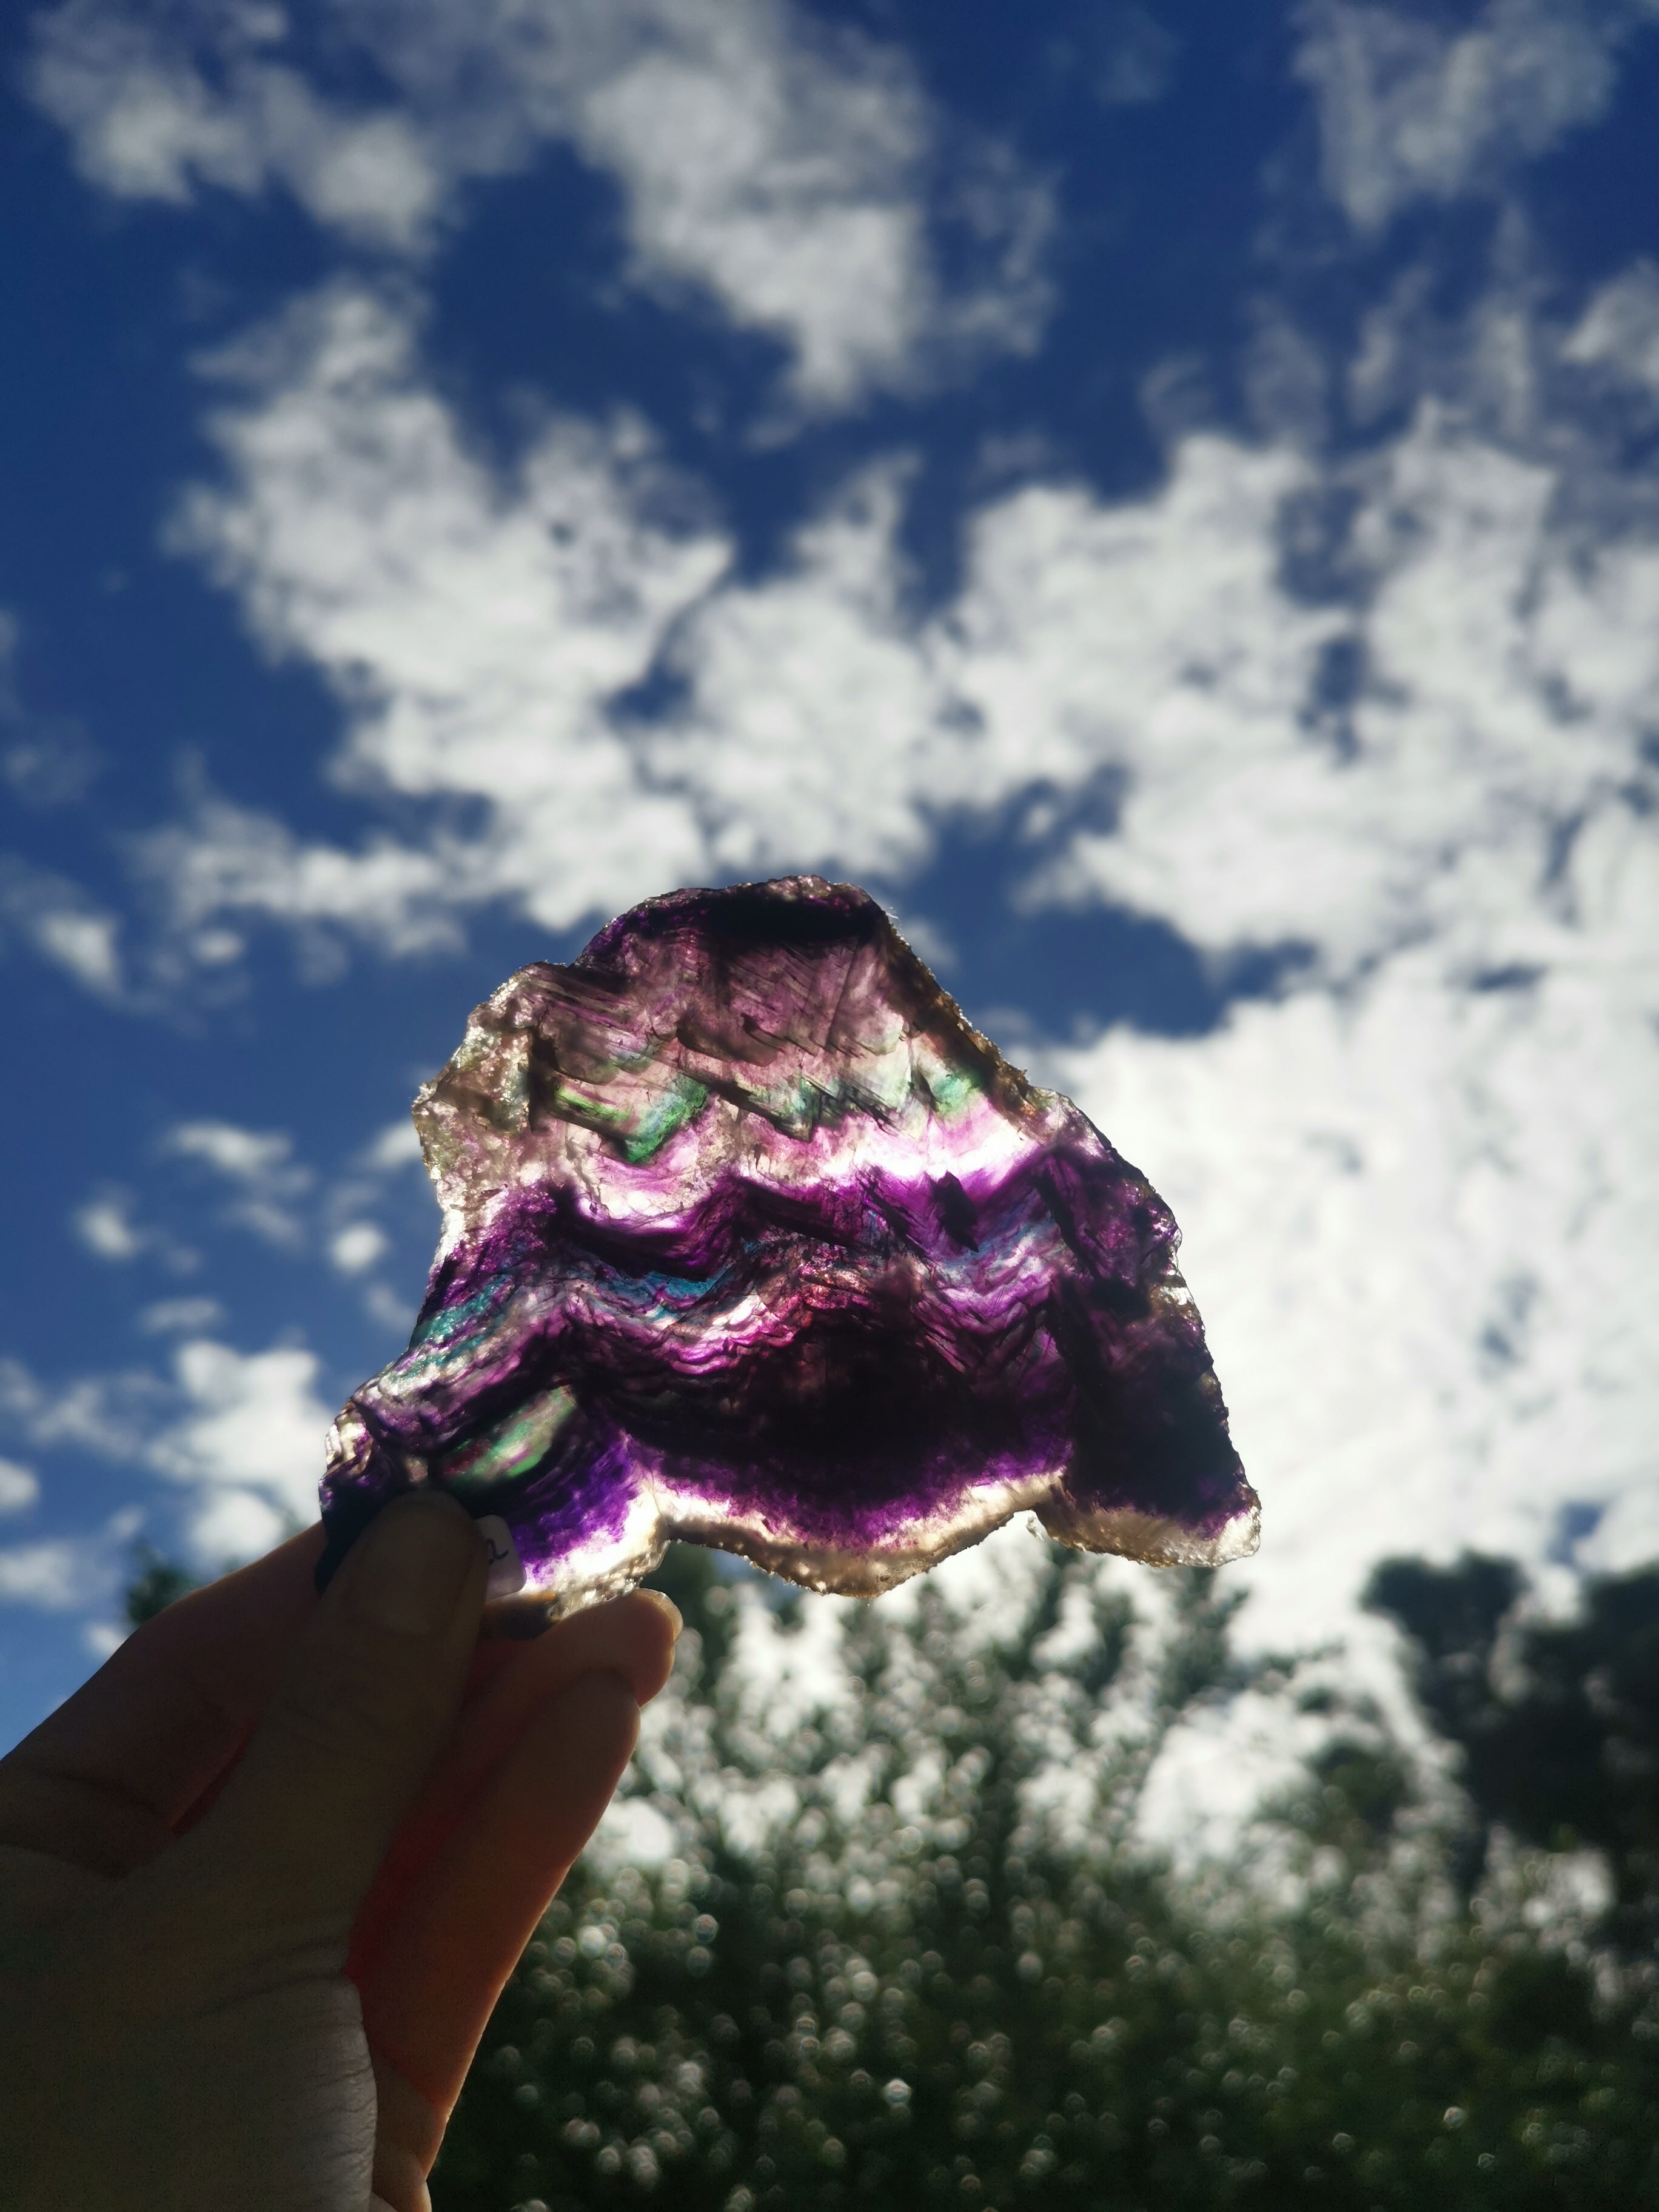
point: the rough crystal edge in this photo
(834, 1571)
(1151, 1537)
(831, 1570)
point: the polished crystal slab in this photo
(751, 1239)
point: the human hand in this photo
(263, 1878)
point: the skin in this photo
(263, 1878)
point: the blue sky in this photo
(1168, 495)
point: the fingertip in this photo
(669, 1610)
(655, 1631)
(634, 1636)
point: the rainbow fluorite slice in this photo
(750, 1239)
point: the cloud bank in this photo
(1418, 765)
(240, 1433)
(1412, 109)
(790, 175)
(1415, 1182)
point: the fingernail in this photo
(676, 1619)
(411, 1564)
(506, 1575)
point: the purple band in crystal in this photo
(750, 1238)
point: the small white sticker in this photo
(505, 1567)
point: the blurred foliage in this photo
(907, 1948)
(157, 1582)
(1557, 1722)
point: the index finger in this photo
(106, 1778)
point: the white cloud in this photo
(258, 1185)
(1502, 678)
(1419, 1186)
(152, 116)
(1619, 328)
(814, 728)
(1410, 109)
(480, 633)
(104, 1225)
(476, 629)
(108, 1415)
(61, 924)
(784, 171)
(108, 1226)
(46, 760)
(246, 1156)
(1498, 677)
(267, 1185)
(260, 1167)
(356, 1248)
(1420, 1223)
(60, 1574)
(248, 1439)
(20, 1486)
(242, 1432)
(67, 1574)
(393, 1148)
(180, 1316)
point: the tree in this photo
(933, 1975)
(906, 1947)
(1557, 1721)
(157, 1583)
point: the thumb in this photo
(369, 1698)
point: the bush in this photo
(941, 1973)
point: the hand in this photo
(262, 1879)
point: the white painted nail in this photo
(505, 1567)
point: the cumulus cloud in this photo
(266, 1189)
(20, 1486)
(59, 1574)
(71, 1574)
(1346, 773)
(180, 1316)
(62, 925)
(1416, 1183)
(241, 1433)
(793, 175)
(259, 1167)
(247, 1440)
(1493, 686)
(1411, 108)
(158, 102)
(1417, 1219)
(484, 635)
(356, 1248)
(108, 1225)
(787, 171)
(105, 1226)
(1619, 330)
(254, 1182)
(478, 631)
(392, 1149)
(107, 1415)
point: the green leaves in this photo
(933, 1984)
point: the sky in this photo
(1166, 496)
